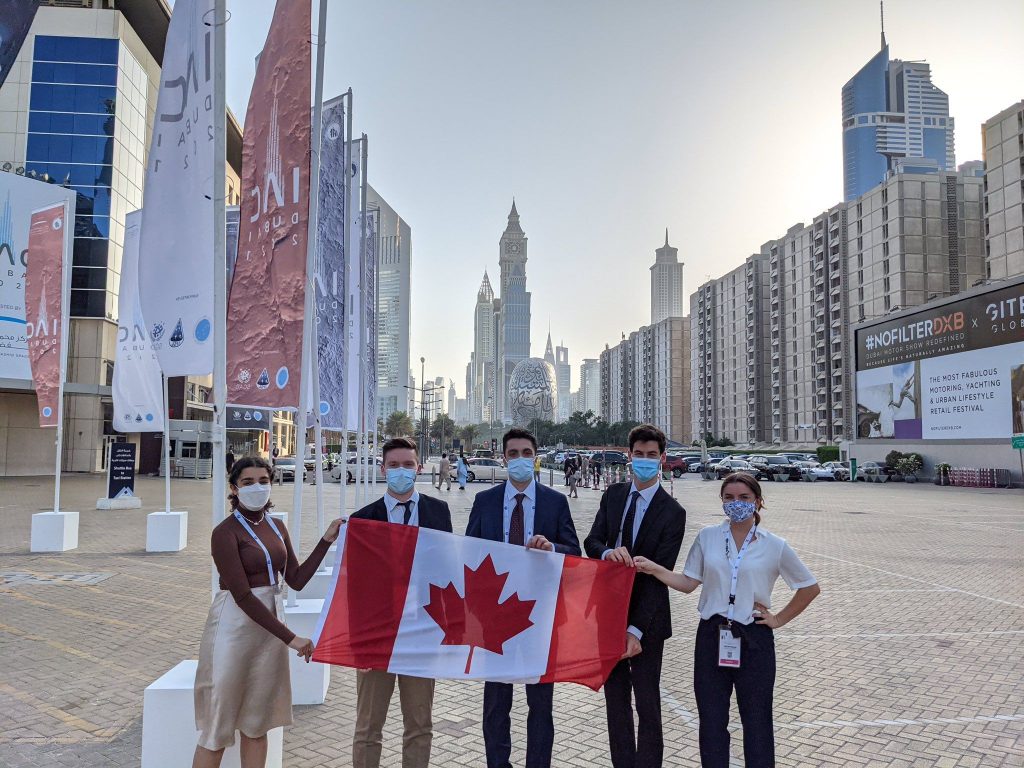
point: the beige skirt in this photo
(242, 683)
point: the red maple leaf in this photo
(478, 619)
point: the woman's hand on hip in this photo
(331, 534)
(763, 616)
(303, 646)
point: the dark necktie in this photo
(407, 505)
(515, 526)
(627, 522)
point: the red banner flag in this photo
(266, 306)
(44, 307)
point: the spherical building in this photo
(532, 392)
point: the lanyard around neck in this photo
(736, 567)
(266, 553)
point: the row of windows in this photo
(74, 74)
(90, 99)
(65, 122)
(94, 278)
(88, 303)
(87, 50)
(74, 175)
(58, 148)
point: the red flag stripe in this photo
(589, 632)
(369, 595)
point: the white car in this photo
(372, 465)
(483, 470)
(815, 471)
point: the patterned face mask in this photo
(738, 511)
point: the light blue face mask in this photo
(646, 469)
(401, 480)
(521, 470)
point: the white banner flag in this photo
(353, 289)
(137, 386)
(176, 244)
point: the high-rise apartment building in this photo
(394, 284)
(590, 387)
(514, 311)
(77, 109)
(563, 381)
(730, 373)
(667, 297)
(1003, 138)
(892, 112)
(480, 387)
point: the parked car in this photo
(771, 465)
(350, 467)
(610, 458)
(726, 467)
(840, 469)
(815, 471)
(284, 468)
(675, 464)
(708, 467)
(483, 469)
(874, 468)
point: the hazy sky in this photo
(610, 120)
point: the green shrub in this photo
(892, 458)
(827, 453)
(909, 464)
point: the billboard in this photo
(955, 371)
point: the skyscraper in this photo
(667, 299)
(483, 358)
(891, 113)
(563, 380)
(514, 312)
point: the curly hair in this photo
(244, 463)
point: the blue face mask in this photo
(646, 469)
(401, 480)
(738, 511)
(521, 469)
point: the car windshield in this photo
(777, 460)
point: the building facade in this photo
(513, 326)
(590, 387)
(892, 111)
(1003, 137)
(482, 360)
(563, 378)
(667, 297)
(394, 317)
(77, 109)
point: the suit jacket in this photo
(659, 539)
(551, 518)
(433, 513)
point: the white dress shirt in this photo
(529, 505)
(396, 514)
(643, 501)
(767, 557)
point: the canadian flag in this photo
(430, 604)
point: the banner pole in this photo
(220, 277)
(65, 309)
(167, 447)
(363, 147)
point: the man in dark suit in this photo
(402, 505)
(521, 511)
(639, 518)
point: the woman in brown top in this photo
(243, 683)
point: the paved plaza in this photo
(912, 656)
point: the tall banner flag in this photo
(266, 305)
(329, 279)
(370, 323)
(137, 385)
(14, 25)
(231, 241)
(353, 289)
(461, 608)
(19, 197)
(45, 307)
(176, 240)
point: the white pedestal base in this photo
(54, 532)
(166, 531)
(126, 502)
(317, 587)
(169, 726)
(309, 681)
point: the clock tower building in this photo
(514, 313)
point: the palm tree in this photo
(398, 425)
(468, 434)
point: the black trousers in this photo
(637, 678)
(754, 682)
(540, 725)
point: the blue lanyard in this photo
(735, 567)
(266, 554)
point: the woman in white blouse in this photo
(738, 564)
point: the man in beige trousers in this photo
(401, 505)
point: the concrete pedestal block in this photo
(54, 532)
(169, 726)
(309, 681)
(317, 587)
(166, 531)
(125, 502)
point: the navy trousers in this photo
(754, 682)
(540, 725)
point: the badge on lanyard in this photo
(728, 648)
